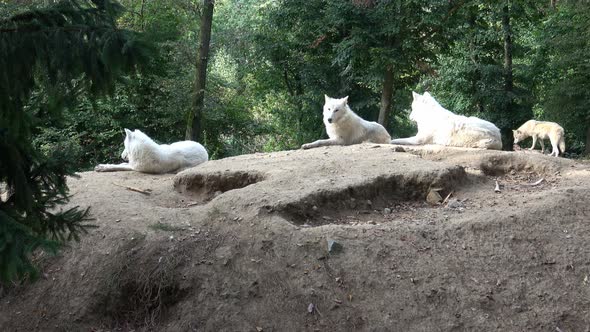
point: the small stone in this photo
(386, 211)
(455, 204)
(334, 247)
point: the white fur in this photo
(437, 125)
(147, 156)
(344, 127)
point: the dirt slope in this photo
(241, 244)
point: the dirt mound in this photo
(337, 238)
(375, 194)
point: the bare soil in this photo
(241, 244)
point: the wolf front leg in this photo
(414, 140)
(321, 142)
(542, 145)
(112, 167)
(534, 143)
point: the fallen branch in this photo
(497, 189)
(141, 191)
(534, 183)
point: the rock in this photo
(386, 211)
(433, 197)
(334, 247)
(455, 204)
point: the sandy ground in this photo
(243, 244)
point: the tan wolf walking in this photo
(540, 130)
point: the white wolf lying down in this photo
(437, 125)
(344, 127)
(147, 156)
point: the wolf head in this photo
(419, 105)
(127, 143)
(131, 139)
(423, 106)
(334, 109)
(518, 136)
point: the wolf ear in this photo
(128, 132)
(345, 100)
(415, 95)
(427, 94)
(326, 98)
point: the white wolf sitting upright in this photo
(437, 125)
(344, 127)
(147, 156)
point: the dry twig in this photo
(141, 191)
(535, 183)
(447, 198)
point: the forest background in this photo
(271, 62)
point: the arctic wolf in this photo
(147, 156)
(542, 130)
(437, 125)
(344, 127)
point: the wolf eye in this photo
(336, 110)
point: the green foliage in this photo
(272, 61)
(563, 70)
(49, 57)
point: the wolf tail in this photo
(562, 144)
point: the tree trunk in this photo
(508, 77)
(195, 115)
(587, 148)
(506, 130)
(386, 95)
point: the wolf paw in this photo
(306, 146)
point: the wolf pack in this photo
(436, 125)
